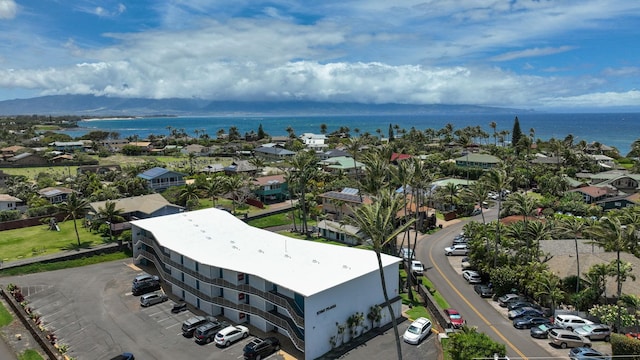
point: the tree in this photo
(516, 134)
(493, 126)
(573, 226)
(305, 169)
(189, 195)
(235, 187)
(110, 214)
(75, 207)
(471, 344)
(261, 133)
(215, 187)
(549, 288)
(497, 180)
(377, 220)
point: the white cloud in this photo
(535, 52)
(599, 99)
(8, 9)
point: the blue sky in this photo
(545, 55)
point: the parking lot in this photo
(91, 309)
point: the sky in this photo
(543, 55)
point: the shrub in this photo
(622, 345)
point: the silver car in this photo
(457, 249)
(594, 332)
(566, 338)
(152, 299)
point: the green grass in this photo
(30, 354)
(41, 267)
(271, 220)
(39, 240)
(5, 316)
(441, 301)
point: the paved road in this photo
(460, 295)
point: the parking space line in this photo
(170, 326)
(165, 319)
(156, 313)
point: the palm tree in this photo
(353, 147)
(477, 193)
(497, 180)
(305, 170)
(189, 194)
(549, 287)
(451, 189)
(215, 187)
(493, 126)
(522, 204)
(234, 186)
(74, 208)
(574, 226)
(377, 220)
(110, 214)
(403, 174)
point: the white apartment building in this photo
(314, 141)
(300, 288)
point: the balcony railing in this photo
(279, 320)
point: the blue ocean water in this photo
(613, 129)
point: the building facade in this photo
(302, 289)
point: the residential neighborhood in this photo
(352, 210)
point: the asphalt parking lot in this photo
(91, 309)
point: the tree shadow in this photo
(74, 246)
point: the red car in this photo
(455, 319)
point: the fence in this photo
(34, 221)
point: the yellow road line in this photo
(475, 310)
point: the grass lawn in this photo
(441, 301)
(38, 240)
(40, 267)
(30, 354)
(5, 316)
(271, 220)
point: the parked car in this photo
(542, 331)
(587, 353)
(472, 276)
(527, 322)
(416, 267)
(124, 356)
(505, 299)
(179, 307)
(513, 305)
(571, 322)
(465, 263)
(145, 277)
(152, 299)
(407, 254)
(418, 330)
(190, 325)
(143, 287)
(231, 334)
(566, 338)
(206, 332)
(483, 290)
(259, 348)
(458, 249)
(459, 239)
(525, 311)
(594, 332)
(455, 319)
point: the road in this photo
(460, 295)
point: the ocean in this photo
(619, 130)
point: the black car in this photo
(542, 331)
(527, 322)
(143, 287)
(524, 311)
(124, 356)
(259, 348)
(483, 290)
(513, 305)
(179, 307)
(205, 334)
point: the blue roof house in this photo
(159, 179)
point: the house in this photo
(62, 158)
(273, 153)
(473, 160)
(301, 289)
(8, 202)
(342, 164)
(11, 151)
(593, 194)
(344, 233)
(55, 194)
(333, 153)
(395, 157)
(196, 149)
(136, 208)
(314, 141)
(28, 159)
(619, 202)
(337, 204)
(273, 188)
(68, 146)
(241, 167)
(159, 179)
(212, 168)
(603, 161)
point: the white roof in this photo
(216, 237)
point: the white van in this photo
(571, 322)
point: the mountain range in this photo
(102, 106)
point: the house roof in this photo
(241, 166)
(396, 156)
(341, 162)
(146, 204)
(274, 150)
(212, 168)
(20, 156)
(216, 237)
(461, 182)
(13, 148)
(479, 158)
(594, 191)
(54, 191)
(7, 197)
(271, 179)
(347, 195)
(155, 172)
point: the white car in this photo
(457, 249)
(407, 254)
(152, 299)
(416, 267)
(472, 276)
(231, 334)
(417, 331)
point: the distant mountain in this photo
(89, 105)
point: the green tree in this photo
(377, 220)
(215, 187)
(75, 207)
(497, 180)
(574, 227)
(110, 214)
(516, 135)
(189, 196)
(471, 344)
(305, 169)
